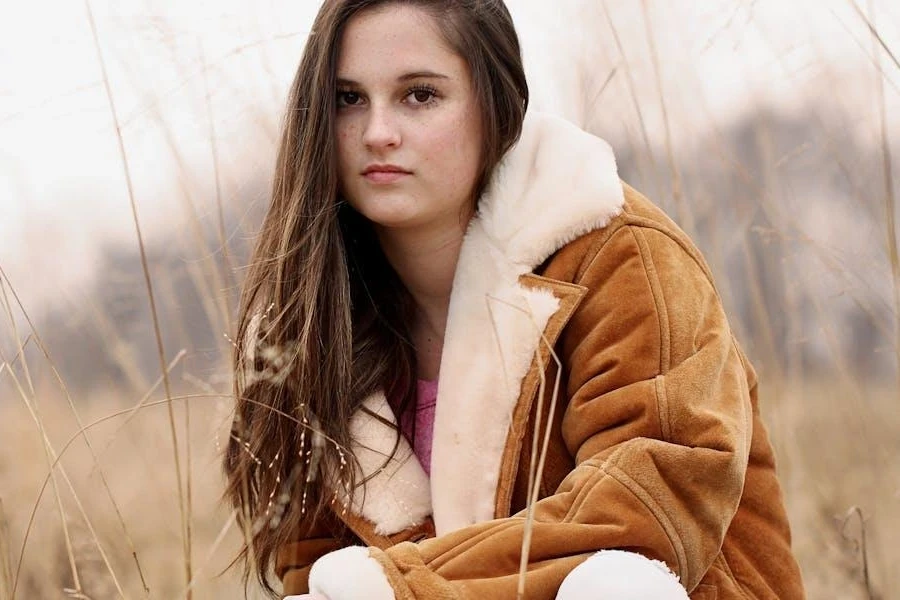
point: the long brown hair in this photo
(323, 317)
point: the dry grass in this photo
(839, 450)
(142, 488)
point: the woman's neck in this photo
(426, 262)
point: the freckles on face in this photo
(408, 127)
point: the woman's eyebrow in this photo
(422, 75)
(344, 82)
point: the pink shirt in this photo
(426, 401)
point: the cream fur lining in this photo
(623, 576)
(557, 184)
(397, 494)
(348, 573)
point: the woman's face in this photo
(409, 130)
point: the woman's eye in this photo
(421, 95)
(348, 98)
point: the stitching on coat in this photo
(607, 233)
(586, 266)
(687, 248)
(578, 502)
(748, 405)
(662, 408)
(653, 293)
(662, 314)
(706, 591)
(647, 270)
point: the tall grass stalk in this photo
(208, 282)
(56, 464)
(856, 513)
(123, 353)
(684, 215)
(188, 502)
(890, 202)
(861, 197)
(214, 149)
(538, 459)
(635, 101)
(226, 528)
(6, 581)
(133, 411)
(182, 500)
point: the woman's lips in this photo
(385, 173)
(385, 176)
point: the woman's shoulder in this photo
(640, 231)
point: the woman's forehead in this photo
(394, 41)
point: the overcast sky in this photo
(62, 189)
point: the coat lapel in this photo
(534, 383)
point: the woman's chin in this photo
(399, 211)
(393, 215)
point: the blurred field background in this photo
(767, 128)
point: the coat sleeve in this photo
(657, 415)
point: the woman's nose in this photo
(381, 130)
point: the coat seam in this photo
(662, 408)
(644, 254)
(662, 320)
(579, 498)
(740, 585)
(642, 496)
(594, 253)
(662, 317)
(648, 224)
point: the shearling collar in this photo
(555, 185)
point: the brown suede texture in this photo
(656, 442)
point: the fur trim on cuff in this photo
(621, 575)
(350, 574)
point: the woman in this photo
(596, 432)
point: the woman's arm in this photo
(659, 419)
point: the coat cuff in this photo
(350, 574)
(620, 575)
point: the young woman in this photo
(472, 362)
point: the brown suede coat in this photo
(656, 444)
